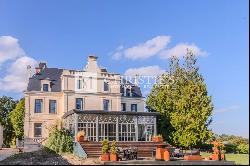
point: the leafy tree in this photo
(243, 148)
(234, 144)
(17, 119)
(7, 104)
(181, 96)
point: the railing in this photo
(79, 151)
(35, 140)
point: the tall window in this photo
(79, 84)
(52, 106)
(133, 107)
(106, 105)
(45, 87)
(38, 105)
(37, 129)
(79, 103)
(106, 86)
(123, 106)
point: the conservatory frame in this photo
(100, 125)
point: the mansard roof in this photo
(51, 74)
(54, 76)
(136, 91)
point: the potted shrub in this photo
(217, 150)
(80, 136)
(157, 138)
(166, 155)
(105, 150)
(113, 154)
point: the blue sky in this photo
(63, 33)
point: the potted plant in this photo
(105, 150)
(157, 138)
(80, 136)
(222, 152)
(216, 150)
(113, 154)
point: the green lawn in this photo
(240, 159)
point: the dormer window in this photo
(45, 87)
(128, 92)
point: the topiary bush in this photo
(105, 146)
(113, 147)
(59, 141)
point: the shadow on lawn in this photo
(41, 157)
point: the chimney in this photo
(38, 70)
(92, 65)
(41, 66)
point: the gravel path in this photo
(43, 157)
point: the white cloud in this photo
(143, 50)
(16, 77)
(227, 109)
(117, 54)
(9, 49)
(181, 50)
(144, 71)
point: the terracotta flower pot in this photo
(207, 158)
(166, 155)
(80, 136)
(215, 157)
(157, 139)
(113, 157)
(192, 157)
(105, 157)
(159, 154)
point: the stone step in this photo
(145, 149)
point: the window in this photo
(52, 106)
(38, 105)
(79, 103)
(79, 84)
(133, 107)
(37, 129)
(128, 92)
(123, 106)
(106, 86)
(106, 105)
(122, 91)
(45, 87)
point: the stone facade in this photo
(52, 92)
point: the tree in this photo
(181, 96)
(243, 148)
(7, 104)
(17, 119)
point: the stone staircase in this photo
(32, 144)
(94, 149)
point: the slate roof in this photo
(51, 74)
(54, 75)
(136, 91)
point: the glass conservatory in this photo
(112, 125)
